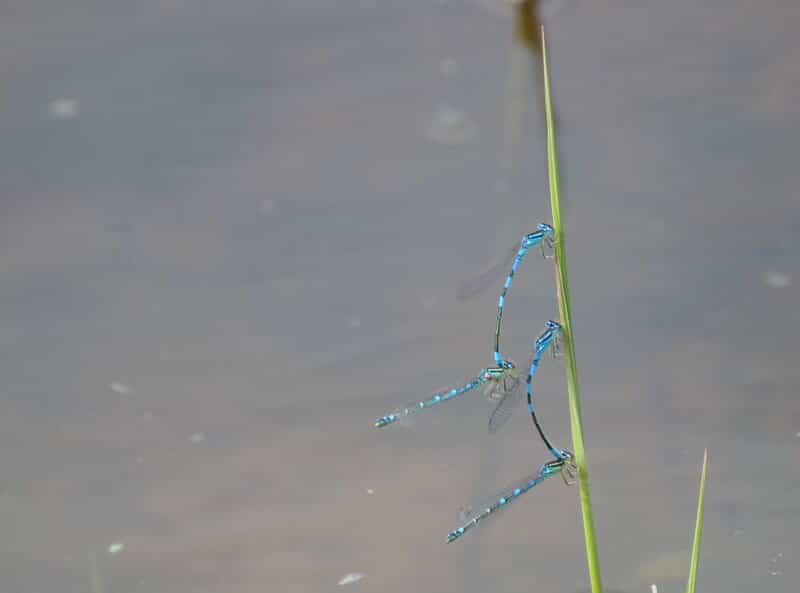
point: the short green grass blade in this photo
(698, 529)
(576, 423)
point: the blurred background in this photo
(233, 234)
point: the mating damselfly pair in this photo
(502, 382)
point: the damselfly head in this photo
(546, 229)
(543, 341)
(491, 374)
(565, 455)
(553, 325)
(498, 372)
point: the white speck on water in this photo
(266, 206)
(120, 388)
(370, 491)
(775, 568)
(653, 589)
(449, 67)
(428, 302)
(451, 127)
(352, 577)
(63, 108)
(777, 279)
(116, 548)
(353, 321)
(197, 437)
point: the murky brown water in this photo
(231, 235)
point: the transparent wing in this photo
(469, 511)
(492, 275)
(509, 397)
(472, 515)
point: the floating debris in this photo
(63, 108)
(653, 589)
(775, 568)
(120, 388)
(197, 437)
(352, 577)
(777, 280)
(116, 548)
(451, 127)
(370, 491)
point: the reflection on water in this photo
(228, 241)
(451, 126)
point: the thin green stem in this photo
(562, 281)
(698, 529)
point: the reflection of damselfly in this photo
(564, 465)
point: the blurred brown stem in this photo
(528, 25)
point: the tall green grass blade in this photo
(698, 529)
(562, 282)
